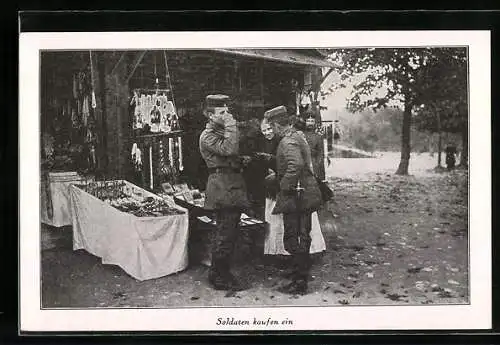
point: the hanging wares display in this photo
(154, 109)
(136, 157)
(153, 114)
(75, 128)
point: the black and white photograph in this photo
(255, 181)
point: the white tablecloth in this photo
(144, 247)
(273, 244)
(59, 197)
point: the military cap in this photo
(276, 112)
(214, 101)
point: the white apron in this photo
(273, 244)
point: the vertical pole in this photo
(181, 166)
(151, 182)
(171, 151)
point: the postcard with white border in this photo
(255, 181)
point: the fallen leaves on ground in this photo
(389, 238)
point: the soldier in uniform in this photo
(226, 191)
(315, 142)
(299, 196)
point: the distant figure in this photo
(336, 132)
(451, 152)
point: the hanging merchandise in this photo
(81, 82)
(173, 108)
(94, 102)
(155, 107)
(93, 158)
(161, 160)
(305, 99)
(75, 86)
(155, 119)
(137, 157)
(138, 118)
(147, 109)
(136, 102)
(74, 119)
(91, 141)
(85, 110)
(93, 99)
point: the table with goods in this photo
(125, 225)
(203, 226)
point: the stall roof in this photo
(289, 56)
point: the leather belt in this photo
(223, 170)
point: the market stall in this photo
(130, 227)
(71, 134)
(114, 115)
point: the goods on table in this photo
(130, 200)
(191, 196)
(150, 207)
(245, 220)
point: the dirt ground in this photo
(390, 240)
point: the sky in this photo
(336, 101)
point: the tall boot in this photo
(292, 272)
(217, 276)
(304, 265)
(221, 278)
(298, 286)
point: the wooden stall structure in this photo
(90, 111)
(255, 79)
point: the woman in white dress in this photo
(273, 244)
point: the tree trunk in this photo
(440, 139)
(405, 141)
(464, 156)
(440, 148)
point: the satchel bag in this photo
(326, 192)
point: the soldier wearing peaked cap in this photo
(226, 191)
(299, 196)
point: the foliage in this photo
(380, 131)
(391, 76)
(448, 97)
(408, 78)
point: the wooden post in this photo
(118, 70)
(317, 79)
(116, 113)
(261, 81)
